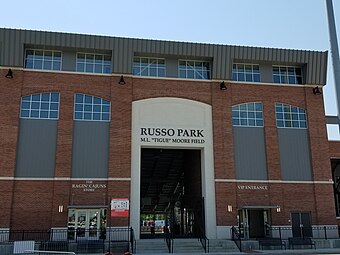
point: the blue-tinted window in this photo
(193, 69)
(288, 116)
(93, 63)
(287, 74)
(143, 66)
(91, 108)
(246, 72)
(43, 59)
(249, 114)
(40, 106)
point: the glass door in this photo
(81, 223)
(93, 224)
(86, 224)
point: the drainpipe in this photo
(334, 53)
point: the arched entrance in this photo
(176, 128)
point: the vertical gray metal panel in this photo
(153, 47)
(90, 149)
(36, 148)
(194, 50)
(172, 67)
(314, 68)
(71, 40)
(121, 56)
(266, 73)
(229, 61)
(69, 61)
(125, 54)
(261, 54)
(250, 153)
(317, 74)
(8, 43)
(309, 75)
(1, 52)
(320, 67)
(165, 48)
(323, 76)
(290, 56)
(294, 154)
(223, 69)
(41, 38)
(115, 64)
(18, 55)
(2, 60)
(217, 62)
(129, 57)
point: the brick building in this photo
(199, 137)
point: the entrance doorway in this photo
(86, 224)
(171, 193)
(254, 223)
(301, 224)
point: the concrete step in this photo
(151, 246)
(188, 245)
(220, 245)
(184, 245)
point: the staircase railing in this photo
(205, 243)
(132, 242)
(236, 237)
(169, 240)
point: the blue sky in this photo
(296, 24)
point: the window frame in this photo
(194, 71)
(298, 113)
(248, 112)
(43, 59)
(36, 106)
(148, 66)
(88, 62)
(103, 105)
(236, 72)
(284, 76)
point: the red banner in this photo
(120, 207)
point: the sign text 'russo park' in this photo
(171, 135)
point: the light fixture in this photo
(121, 81)
(278, 209)
(317, 91)
(60, 208)
(9, 74)
(229, 208)
(223, 86)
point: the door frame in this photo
(74, 227)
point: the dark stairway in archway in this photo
(171, 193)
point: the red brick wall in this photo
(28, 210)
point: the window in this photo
(246, 72)
(249, 114)
(91, 108)
(287, 74)
(288, 116)
(192, 69)
(93, 63)
(149, 67)
(40, 106)
(43, 59)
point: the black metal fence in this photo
(236, 237)
(285, 232)
(115, 240)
